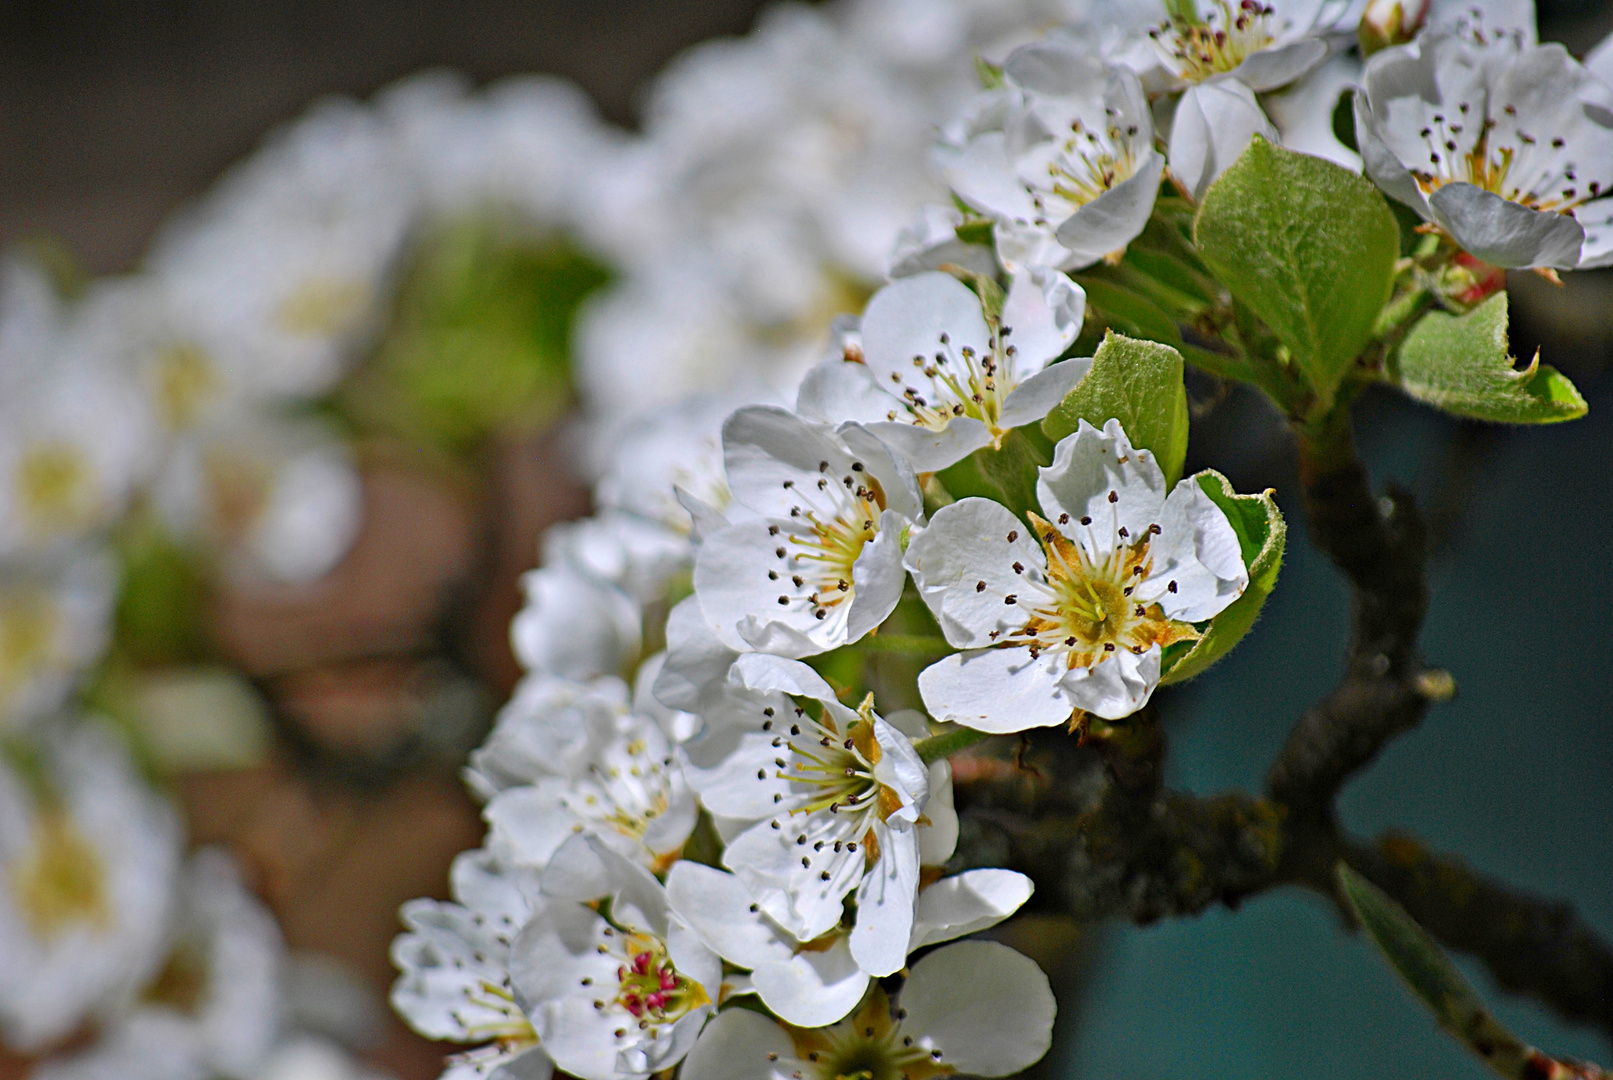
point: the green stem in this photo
(948, 743)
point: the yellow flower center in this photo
(62, 882)
(649, 988)
(867, 1045)
(29, 621)
(1083, 607)
(1488, 164)
(1229, 35)
(185, 380)
(322, 307)
(53, 487)
(831, 524)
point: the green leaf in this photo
(1461, 364)
(1262, 535)
(1129, 313)
(1006, 475)
(1429, 973)
(1138, 383)
(1309, 246)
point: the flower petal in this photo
(1034, 398)
(1504, 233)
(988, 1009)
(885, 903)
(1281, 64)
(1196, 566)
(1214, 121)
(1113, 220)
(1116, 686)
(1088, 468)
(963, 565)
(996, 690)
(878, 577)
(814, 988)
(1042, 314)
(964, 903)
(742, 1045)
(718, 907)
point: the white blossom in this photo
(935, 380)
(1074, 612)
(88, 864)
(454, 981)
(549, 727)
(55, 621)
(975, 1007)
(574, 625)
(614, 997)
(1263, 45)
(813, 983)
(1066, 169)
(819, 564)
(631, 794)
(840, 802)
(1506, 147)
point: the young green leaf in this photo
(1429, 973)
(1138, 383)
(1461, 364)
(1128, 312)
(1309, 246)
(1262, 534)
(1006, 475)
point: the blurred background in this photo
(340, 794)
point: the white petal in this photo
(1113, 220)
(1116, 686)
(586, 869)
(988, 1009)
(1214, 121)
(929, 450)
(815, 987)
(573, 626)
(838, 390)
(775, 674)
(697, 661)
(1505, 233)
(1380, 161)
(1599, 61)
(717, 906)
(1280, 65)
(878, 577)
(893, 471)
(900, 769)
(967, 902)
(527, 824)
(735, 774)
(1596, 217)
(1042, 314)
(1197, 552)
(741, 1045)
(965, 544)
(1034, 398)
(1090, 466)
(885, 902)
(765, 446)
(740, 600)
(907, 317)
(983, 177)
(939, 839)
(785, 876)
(996, 690)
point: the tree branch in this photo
(1379, 545)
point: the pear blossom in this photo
(1067, 171)
(89, 859)
(1214, 122)
(615, 986)
(840, 802)
(280, 499)
(1506, 147)
(55, 621)
(549, 727)
(657, 463)
(635, 554)
(1072, 613)
(1261, 45)
(216, 1006)
(819, 563)
(814, 983)
(454, 981)
(574, 625)
(632, 795)
(937, 380)
(975, 1007)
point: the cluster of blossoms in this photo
(710, 847)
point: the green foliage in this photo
(1309, 247)
(163, 590)
(1429, 973)
(1006, 474)
(1461, 364)
(1262, 535)
(1138, 383)
(482, 340)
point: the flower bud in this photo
(1390, 22)
(1465, 281)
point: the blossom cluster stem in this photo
(948, 743)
